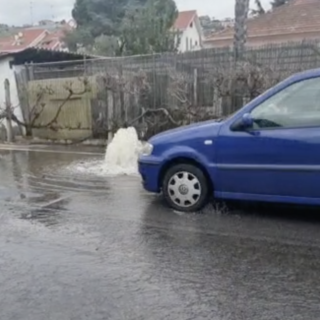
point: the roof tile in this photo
(29, 37)
(52, 40)
(297, 16)
(184, 18)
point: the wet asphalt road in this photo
(74, 245)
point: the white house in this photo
(7, 73)
(188, 24)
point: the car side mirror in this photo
(247, 121)
(244, 123)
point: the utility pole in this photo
(31, 13)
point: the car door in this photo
(280, 155)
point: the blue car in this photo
(267, 151)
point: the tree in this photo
(6, 30)
(240, 34)
(210, 25)
(110, 27)
(106, 46)
(102, 17)
(79, 38)
(148, 29)
(278, 3)
(81, 13)
(259, 10)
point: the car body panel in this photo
(281, 165)
(270, 162)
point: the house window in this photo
(196, 43)
(190, 44)
(187, 43)
(191, 24)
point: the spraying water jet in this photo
(120, 158)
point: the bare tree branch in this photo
(39, 106)
(154, 111)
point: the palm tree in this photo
(240, 28)
(259, 10)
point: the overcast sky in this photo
(19, 12)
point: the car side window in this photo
(295, 106)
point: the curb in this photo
(45, 149)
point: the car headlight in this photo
(146, 149)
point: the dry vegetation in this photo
(134, 99)
(155, 102)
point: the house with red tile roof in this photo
(190, 31)
(53, 41)
(295, 21)
(24, 39)
(37, 37)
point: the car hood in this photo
(192, 131)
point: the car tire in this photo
(185, 188)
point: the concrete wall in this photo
(74, 121)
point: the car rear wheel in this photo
(185, 188)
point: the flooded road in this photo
(76, 245)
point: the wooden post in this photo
(217, 103)
(8, 110)
(121, 95)
(30, 72)
(195, 87)
(110, 113)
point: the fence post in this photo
(110, 114)
(217, 103)
(30, 71)
(195, 87)
(8, 110)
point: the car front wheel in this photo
(185, 188)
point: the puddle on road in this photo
(46, 189)
(38, 178)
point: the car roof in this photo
(306, 74)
